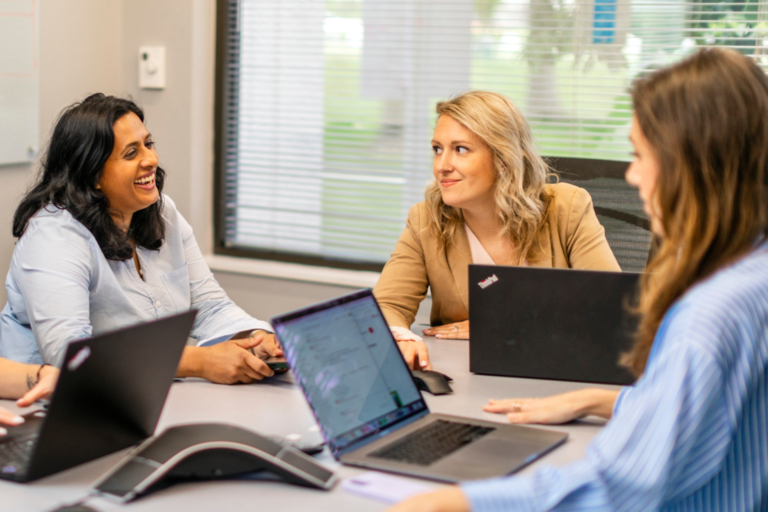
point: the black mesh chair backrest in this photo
(617, 205)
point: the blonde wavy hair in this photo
(520, 201)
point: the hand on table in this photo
(454, 331)
(49, 375)
(266, 345)
(415, 354)
(448, 500)
(43, 389)
(9, 418)
(230, 362)
(556, 409)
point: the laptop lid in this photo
(348, 366)
(551, 323)
(110, 393)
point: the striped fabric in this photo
(692, 434)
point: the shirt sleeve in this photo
(217, 315)
(54, 275)
(403, 282)
(585, 243)
(644, 456)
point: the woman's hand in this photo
(448, 500)
(266, 345)
(230, 362)
(49, 375)
(43, 389)
(9, 418)
(556, 409)
(455, 331)
(415, 354)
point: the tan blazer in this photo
(571, 237)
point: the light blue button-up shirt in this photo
(692, 434)
(61, 288)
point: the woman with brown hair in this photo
(692, 433)
(490, 203)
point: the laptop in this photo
(545, 323)
(370, 411)
(109, 396)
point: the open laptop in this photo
(369, 409)
(548, 323)
(109, 396)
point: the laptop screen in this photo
(349, 367)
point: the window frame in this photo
(224, 92)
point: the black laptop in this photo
(372, 414)
(109, 396)
(547, 323)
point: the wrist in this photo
(597, 402)
(191, 364)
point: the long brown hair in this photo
(706, 118)
(519, 198)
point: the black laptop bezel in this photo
(419, 410)
(41, 462)
(481, 277)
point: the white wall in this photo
(91, 46)
(79, 54)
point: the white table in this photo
(278, 407)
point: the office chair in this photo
(617, 205)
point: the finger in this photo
(409, 354)
(423, 357)
(439, 328)
(256, 368)
(9, 418)
(540, 416)
(453, 335)
(42, 390)
(497, 408)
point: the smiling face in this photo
(463, 165)
(643, 173)
(128, 179)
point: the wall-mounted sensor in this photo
(152, 67)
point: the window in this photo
(325, 109)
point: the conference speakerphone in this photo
(208, 451)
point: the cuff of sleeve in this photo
(405, 334)
(243, 325)
(513, 493)
(620, 399)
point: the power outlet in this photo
(152, 67)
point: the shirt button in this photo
(158, 303)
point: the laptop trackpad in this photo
(492, 454)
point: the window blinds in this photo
(329, 104)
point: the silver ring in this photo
(456, 328)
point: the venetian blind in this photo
(330, 104)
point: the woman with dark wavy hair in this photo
(99, 247)
(692, 433)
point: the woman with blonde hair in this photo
(490, 203)
(691, 433)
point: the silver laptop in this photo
(369, 409)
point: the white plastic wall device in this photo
(152, 67)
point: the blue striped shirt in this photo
(692, 434)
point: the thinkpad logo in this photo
(487, 282)
(79, 358)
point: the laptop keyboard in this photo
(431, 443)
(15, 455)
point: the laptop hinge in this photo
(381, 433)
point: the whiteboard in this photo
(19, 81)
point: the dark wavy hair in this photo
(72, 166)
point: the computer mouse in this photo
(433, 382)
